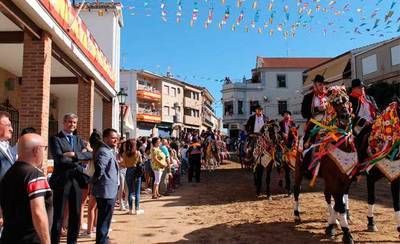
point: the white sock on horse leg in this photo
(397, 218)
(343, 220)
(371, 210)
(332, 214)
(296, 206)
(346, 200)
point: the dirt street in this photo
(223, 209)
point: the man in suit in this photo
(253, 127)
(105, 183)
(7, 158)
(68, 177)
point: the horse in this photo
(335, 144)
(266, 151)
(383, 142)
(211, 155)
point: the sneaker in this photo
(122, 207)
(84, 226)
(139, 212)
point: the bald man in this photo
(25, 195)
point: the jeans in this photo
(134, 185)
(105, 211)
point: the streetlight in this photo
(122, 100)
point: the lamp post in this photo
(122, 100)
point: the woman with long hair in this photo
(158, 163)
(134, 170)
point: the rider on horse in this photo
(364, 111)
(253, 127)
(285, 125)
(313, 107)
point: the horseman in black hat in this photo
(364, 111)
(253, 128)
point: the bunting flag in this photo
(351, 17)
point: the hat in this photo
(319, 78)
(195, 139)
(286, 112)
(357, 83)
(259, 107)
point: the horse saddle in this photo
(391, 169)
(345, 161)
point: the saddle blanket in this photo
(391, 169)
(345, 161)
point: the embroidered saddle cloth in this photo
(345, 161)
(391, 169)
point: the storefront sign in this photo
(65, 15)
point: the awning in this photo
(332, 71)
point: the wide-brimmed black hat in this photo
(319, 79)
(357, 83)
(259, 107)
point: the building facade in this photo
(53, 67)
(276, 85)
(172, 107)
(207, 110)
(192, 106)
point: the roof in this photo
(103, 6)
(289, 62)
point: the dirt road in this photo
(223, 209)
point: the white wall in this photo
(168, 100)
(128, 80)
(98, 112)
(67, 100)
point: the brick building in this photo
(51, 64)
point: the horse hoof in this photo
(269, 198)
(372, 228)
(347, 238)
(330, 231)
(297, 220)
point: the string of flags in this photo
(286, 17)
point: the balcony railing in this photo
(148, 115)
(148, 93)
(148, 111)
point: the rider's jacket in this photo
(251, 122)
(364, 111)
(310, 104)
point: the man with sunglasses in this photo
(26, 197)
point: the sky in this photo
(152, 38)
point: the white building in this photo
(276, 85)
(105, 20)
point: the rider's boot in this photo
(347, 238)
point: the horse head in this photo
(339, 104)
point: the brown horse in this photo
(211, 155)
(382, 144)
(334, 141)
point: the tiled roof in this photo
(289, 62)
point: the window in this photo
(281, 80)
(166, 111)
(282, 106)
(187, 111)
(179, 90)
(395, 53)
(187, 93)
(240, 107)
(173, 92)
(253, 105)
(369, 65)
(166, 90)
(228, 108)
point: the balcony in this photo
(209, 107)
(146, 115)
(207, 122)
(148, 93)
(192, 103)
(192, 120)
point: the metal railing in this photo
(148, 88)
(149, 111)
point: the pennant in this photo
(240, 18)
(254, 5)
(271, 5)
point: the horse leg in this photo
(258, 172)
(346, 202)
(268, 180)
(296, 189)
(395, 187)
(287, 179)
(330, 230)
(341, 210)
(371, 202)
